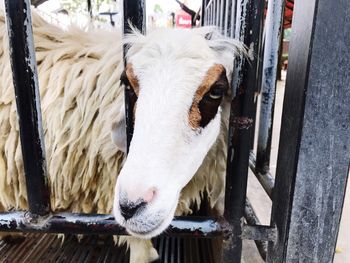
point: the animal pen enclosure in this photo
(313, 158)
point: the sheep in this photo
(82, 102)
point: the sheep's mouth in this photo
(146, 232)
(143, 232)
(157, 227)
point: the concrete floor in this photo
(262, 204)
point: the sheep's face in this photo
(176, 83)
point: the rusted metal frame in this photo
(313, 157)
(72, 223)
(273, 36)
(134, 12)
(266, 180)
(25, 80)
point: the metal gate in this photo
(313, 159)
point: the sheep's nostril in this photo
(128, 210)
(150, 195)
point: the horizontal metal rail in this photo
(259, 233)
(266, 180)
(252, 219)
(72, 223)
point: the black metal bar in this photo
(216, 14)
(233, 13)
(23, 62)
(134, 12)
(274, 25)
(313, 158)
(241, 126)
(222, 16)
(72, 223)
(259, 232)
(203, 12)
(213, 12)
(257, 53)
(227, 18)
(207, 14)
(252, 219)
(89, 7)
(213, 4)
(266, 180)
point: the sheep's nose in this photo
(129, 208)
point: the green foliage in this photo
(158, 9)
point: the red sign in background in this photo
(183, 20)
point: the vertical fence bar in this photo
(222, 16)
(257, 33)
(134, 12)
(217, 12)
(248, 28)
(274, 24)
(233, 18)
(203, 12)
(313, 157)
(89, 7)
(211, 15)
(208, 14)
(214, 13)
(25, 80)
(227, 17)
(212, 22)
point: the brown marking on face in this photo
(194, 117)
(134, 82)
(204, 109)
(129, 79)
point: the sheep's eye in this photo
(216, 92)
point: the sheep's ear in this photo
(119, 135)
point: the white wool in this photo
(81, 98)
